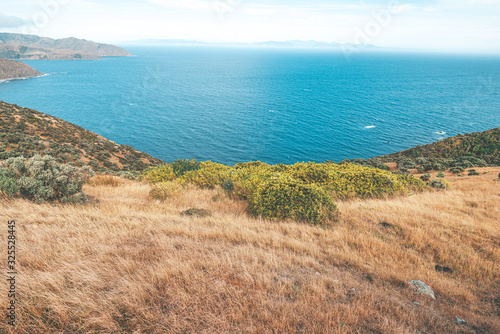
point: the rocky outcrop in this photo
(10, 69)
(19, 46)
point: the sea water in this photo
(274, 105)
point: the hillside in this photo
(477, 149)
(26, 132)
(133, 264)
(19, 46)
(10, 69)
(482, 145)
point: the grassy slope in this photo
(135, 264)
(27, 132)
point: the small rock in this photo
(443, 269)
(460, 321)
(423, 288)
(367, 266)
(416, 303)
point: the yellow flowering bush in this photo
(258, 182)
(284, 197)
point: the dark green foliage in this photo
(425, 177)
(473, 172)
(197, 213)
(441, 175)
(456, 170)
(228, 185)
(41, 179)
(181, 167)
(438, 184)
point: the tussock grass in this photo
(106, 180)
(131, 263)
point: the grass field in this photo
(131, 264)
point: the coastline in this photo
(24, 78)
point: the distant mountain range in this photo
(31, 47)
(275, 44)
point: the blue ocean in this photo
(274, 105)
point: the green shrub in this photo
(456, 170)
(228, 186)
(181, 167)
(441, 175)
(425, 177)
(421, 161)
(427, 167)
(287, 198)
(41, 179)
(439, 184)
(407, 164)
(473, 172)
(8, 185)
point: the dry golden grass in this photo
(105, 180)
(134, 264)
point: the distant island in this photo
(10, 69)
(31, 47)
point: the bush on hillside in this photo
(245, 180)
(440, 175)
(439, 184)
(41, 179)
(473, 172)
(425, 177)
(457, 170)
(181, 167)
(286, 198)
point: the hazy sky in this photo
(439, 25)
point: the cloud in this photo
(10, 21)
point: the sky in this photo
(429, 25)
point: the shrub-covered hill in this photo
(26, 132)
(483, 145)
(478, 149)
